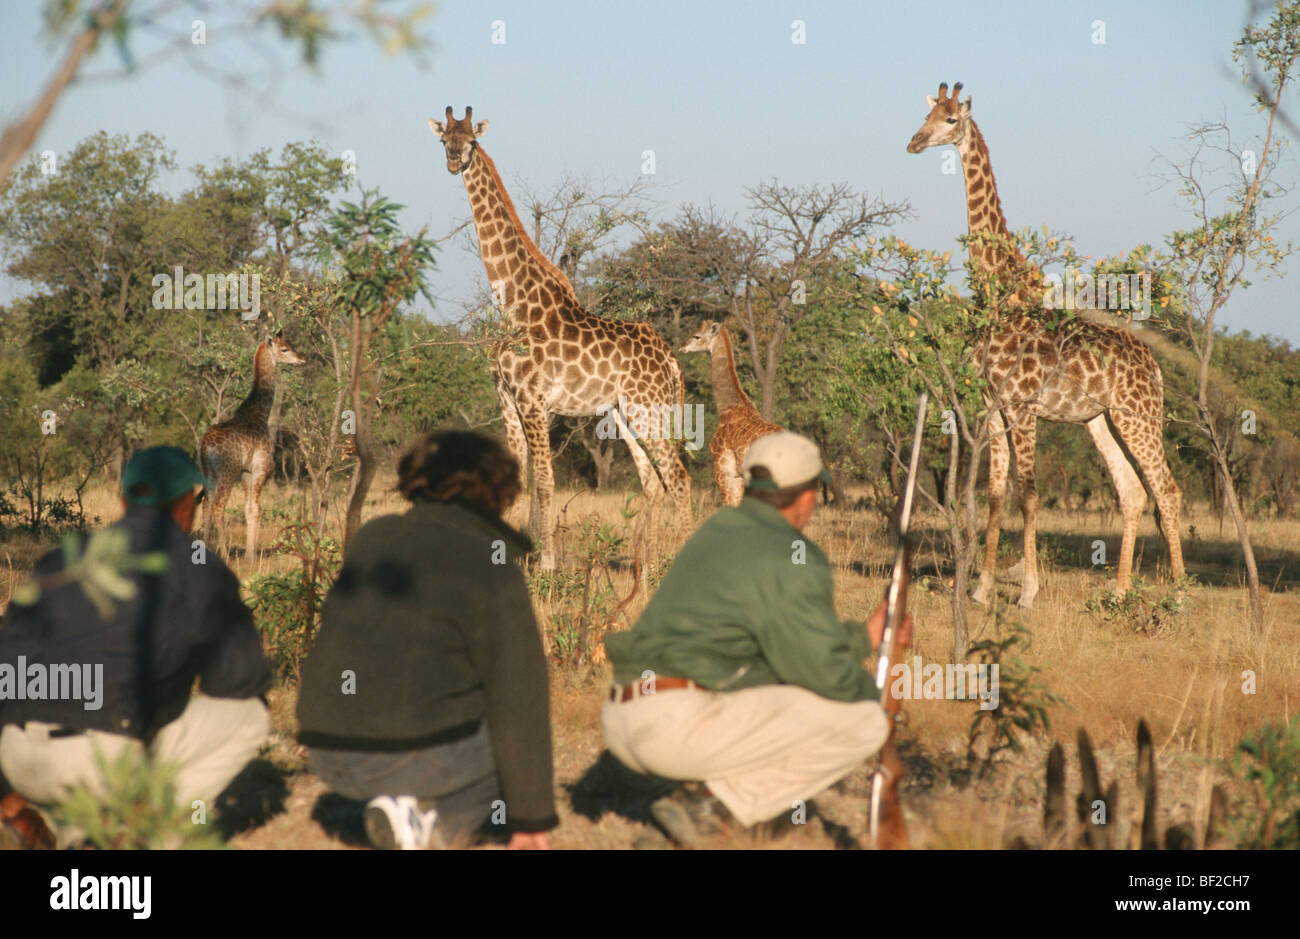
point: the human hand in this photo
(528, 841)
(876, 628)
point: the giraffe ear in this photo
(480, 128)
(965, 108)
(438, 128)
(931, 100)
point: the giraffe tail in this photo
(680, 382)
(205, 468)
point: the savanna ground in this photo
(1178, 666)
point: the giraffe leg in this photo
(517, 441)
(257, 474)
(669, 460)
(726, 476)
(536, 424)
(1144, 439)
(215, 520)
(1132, 497)
(999, 458)
(650, 484)
(1024, 440)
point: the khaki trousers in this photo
(760, 750)
(210, 743)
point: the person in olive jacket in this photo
(740, 674)
(426, 688)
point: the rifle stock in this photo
(890, 831)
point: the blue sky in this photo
(725, 99)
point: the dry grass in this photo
(1186, 679)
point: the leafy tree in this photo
(85, 22)
(379, 269)
(1210, 261)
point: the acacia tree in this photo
(913, 331)
(766, 272)
(1232, 233)
(379, 270)
(905, 334)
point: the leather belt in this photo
(621, 694)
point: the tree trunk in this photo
(364, 473)
(837, 490)
(960, 545)
(602, 456)
(1243, 536)
(19, 136)
(362, 477)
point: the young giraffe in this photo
(243, 444)
(1082, 373)
(559, 359)
(739, 423)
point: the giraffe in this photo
(559, 359)
(1080, 373)
(243, 444)
(739, 423)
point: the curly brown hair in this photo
(459, 464)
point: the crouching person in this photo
(425, 691)
(739, 675)
(139, 662)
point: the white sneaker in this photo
(398, 823)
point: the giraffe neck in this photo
(1018, 281)
(726, 383)
(983, 207)
(255, 412)
(514, 265)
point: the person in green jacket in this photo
(426, 688)
(739, 674)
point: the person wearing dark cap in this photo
(136, 656)
(739, 674)
(425, 691)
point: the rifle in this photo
(885, 825)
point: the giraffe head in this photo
(702, 341)
(281, 352)
(947, 122)
(459, 137)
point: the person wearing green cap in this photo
(137, 657)
(739, 674)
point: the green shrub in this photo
(286, 607)
(138, 811)
(1022, 701)
(1268, 760)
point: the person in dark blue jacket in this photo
(86, 669)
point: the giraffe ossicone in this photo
(1080, 372)
(556, 358)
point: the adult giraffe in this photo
(1081, 373)
(557, 358)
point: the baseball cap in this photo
(791, 459)
(167, 471)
